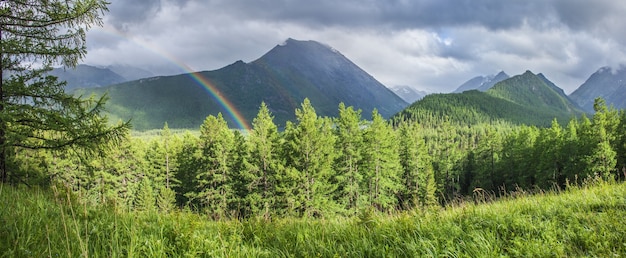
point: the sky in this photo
(431, 45)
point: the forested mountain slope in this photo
(523, 99)
(282, 78)
(534, 91)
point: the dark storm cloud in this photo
(396, 14)
(495, 14)
(399, 14)
(123, 14)
(601, 18)
(597, 15)
(580, 15)
(430, 44)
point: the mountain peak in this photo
(502, 74)
(482, 83)
(608, 83)
(289, 41)
(303, 51)
(408, 93)
(330, 72)
(533, 90)
(294, 43)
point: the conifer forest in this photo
(326, 167)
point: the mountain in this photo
(608, 83)
(408, 94)
(130, 73)
(482, 83)
(326, 77)
(534, 91)
(282, 78)
(522, 99)
(85, 76)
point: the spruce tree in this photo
(215, 185)
(156, 163)
(601, 161)
(114, 176)
(289, 197)
(265, 163)
(418, 179)
(166, 199)
(549, 157)
(409, 152)
(488, 155)
(382, 164)
(518, 164)
(127, 165)
(146, 198)
(240, 170)
(187, 168)
(349, 145)
(587, 141)
(311, 153)
(571, 152)
(35, 112)
(445, 155)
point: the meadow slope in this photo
(581, 221)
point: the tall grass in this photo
(581, 221)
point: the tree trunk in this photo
(3, 157)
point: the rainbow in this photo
(232, 111)
(228, 106)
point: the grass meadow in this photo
(581, 221)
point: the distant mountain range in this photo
(482, 83)
(408, 94)
(130, 73)
(282, 78)
(291, 71)
(522, 99)
(87, 76)
(608, 83)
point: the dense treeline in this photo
(475, 107)
(320, 166)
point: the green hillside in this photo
(184, 103)
(582, 221)
(534, 91)
(523, 99)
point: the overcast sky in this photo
(432, 45)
